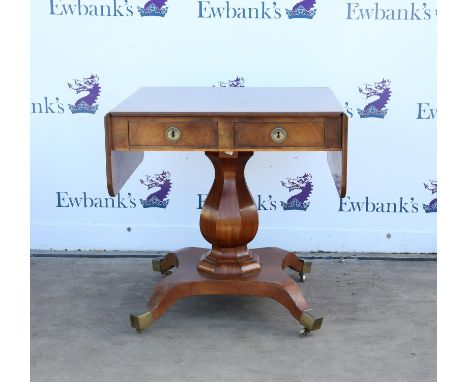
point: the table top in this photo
(225, 120)
(229, 100)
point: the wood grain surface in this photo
(226, 120)
(229, 124)
(229, 100)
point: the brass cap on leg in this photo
(157, 264)
(309, 321)
(141, 322)
(306, 266)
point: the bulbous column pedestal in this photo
(229, 221)
(229, 218)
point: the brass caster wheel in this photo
(162, 264)
(157, 264)
(306, 266)
(303, 332)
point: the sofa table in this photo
(228, 124)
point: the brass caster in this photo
(141, 322)
(303, 332)
(310, 322)
(157, 264)
(306, 266)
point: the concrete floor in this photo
(380, 325)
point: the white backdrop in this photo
(343, 45)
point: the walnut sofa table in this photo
(228, 124)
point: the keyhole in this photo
(172, 134)
(278, 135)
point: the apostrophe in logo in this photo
(298, 201)
(163, 183)
(376, 109)
(86, 104)
(432, 206)
(302, 10)
(238, 82)
(154, 8)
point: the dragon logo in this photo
(302, 10)
(154, 8)
(375, 109)
(238, 82)
(163, 183)
(298, 201)
(87, 103)
(432, 206)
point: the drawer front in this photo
(258, 135)
(154, 133)
(119, 133)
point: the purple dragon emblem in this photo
(375, 109)
(157, 199)
(86, 104)
(299, 200)
(432, 206)
(238, 82)
(302, 10)
(154, 8)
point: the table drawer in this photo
(258, 135)
(172, 134)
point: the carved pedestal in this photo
(229, 221)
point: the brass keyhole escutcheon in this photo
(173, 134)
(278, 135)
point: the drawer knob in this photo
(278, 135)
(173, 134)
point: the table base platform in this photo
(183, 278)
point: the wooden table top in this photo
(229, 100)
(225, 120)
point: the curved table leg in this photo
(295, 263)
(270, 281)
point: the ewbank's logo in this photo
(163, 183)
(256, 10)
(89, 90)
(380, 11)
(376, 109)
(402, 205)
(86, 104)
(432, 206)
(238, 82)
(80, 8)
(303, 184)
(154, 8)
(303, 10)
(86, 200)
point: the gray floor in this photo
(380, 325)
